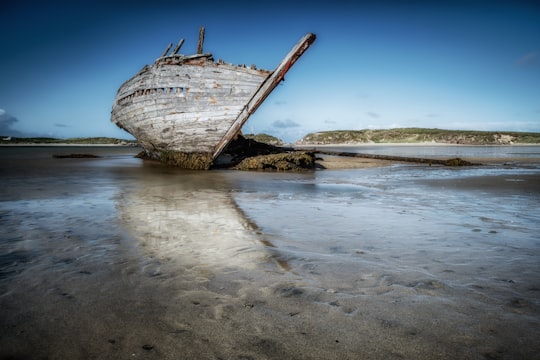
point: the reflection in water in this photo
(191, 219)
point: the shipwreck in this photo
(185, 109)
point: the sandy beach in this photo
(115, 258)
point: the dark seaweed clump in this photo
(249, 154)
(289, 161)
(75, 156)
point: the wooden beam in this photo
(201, 40)
(265, 89)
(166, 50)
(177, 48)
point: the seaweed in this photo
(288, 161)
(194, 161)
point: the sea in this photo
(119, 257)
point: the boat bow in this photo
(265, 89)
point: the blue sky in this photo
(375, 64)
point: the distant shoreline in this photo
(420, 136)
(66, 145)
(303, 146)
(312, 146)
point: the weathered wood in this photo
(191, 104)
(211, 99)
(177, 48)
(262, 93)
(166, 50)
(201, 40)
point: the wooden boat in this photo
(185, 109)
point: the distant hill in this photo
(420, 135)
(265, 138)
(45, 141)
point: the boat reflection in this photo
(192, 218)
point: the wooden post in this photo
(201, 40)
(166, 50)
(177, 48)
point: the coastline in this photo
(67, 145)
(297, 146)
(341, 161)
(336, 162)
(306, 146)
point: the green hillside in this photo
(420, 135)
(46, 140)
(265, 138)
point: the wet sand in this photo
(124, 262)
(341, 162)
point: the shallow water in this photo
(119, 258)
(447, 151)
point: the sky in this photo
(470, 65)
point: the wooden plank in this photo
(201, 40)
(166, 50)
(178, 46)
(266, 88)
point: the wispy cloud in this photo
(373, 115)
(6, 123)
(61, 125)
(531, 59)
(288, 123)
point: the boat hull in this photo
(184, 110)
